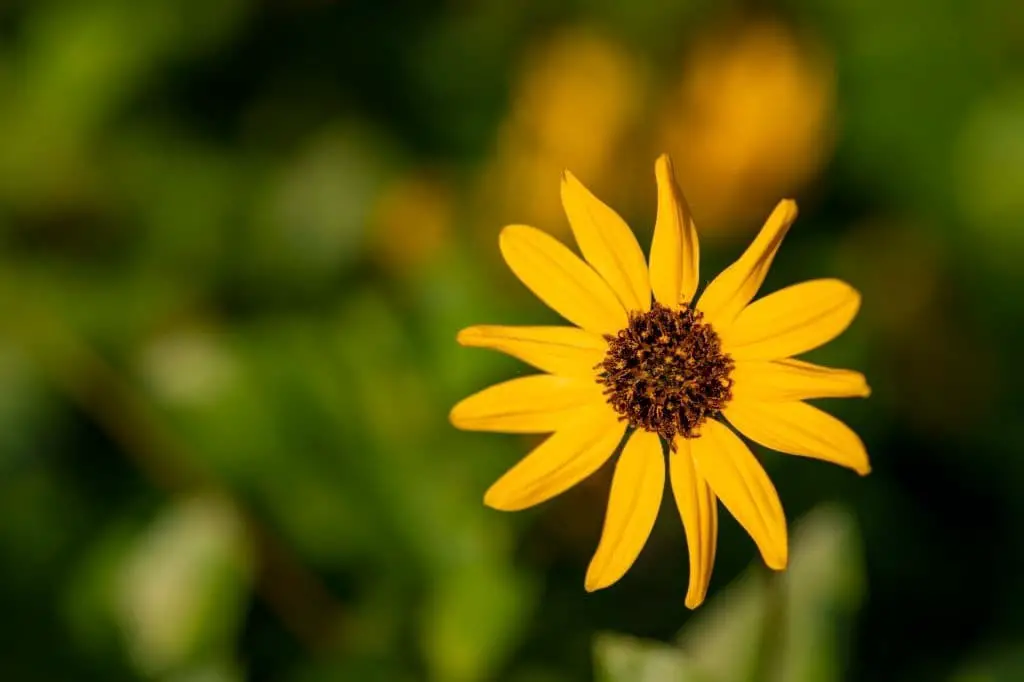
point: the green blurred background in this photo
(237, 238)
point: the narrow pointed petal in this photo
(740, 482)
(799, 429)
(791, 321)
(568, 351)
(539, 403)
(675, 251)
(699, 511)
(607, 243)
(737, 285)
(633, 504)
(788, 380)
(560, 279)
(570, 455)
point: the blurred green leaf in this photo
(787, 627)
(724, 638)
(310, 221)
(823, 590)
(990, 174)
(214, 671)
(627, 659)
(790, 626)
(1001, 664)
(472, 619)
(77, 65)
(184, 587)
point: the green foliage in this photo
(791, 626)
(180, 592)
(237, 240)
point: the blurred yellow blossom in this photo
(410, 221)
(573, 105)
(749, 120)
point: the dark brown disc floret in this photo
(666, 372)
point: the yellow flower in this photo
(750, 118)
(666, 371)
(411, 221)
(576, 70)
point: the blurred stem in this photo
(295, 594)
(773, 628)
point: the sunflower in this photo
(645, 363)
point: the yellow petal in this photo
(675, 251)
(607, 243)
(699, 511)
(799, 429)
(560, 279)
(568, 351)
(633, 504)
(742, 485)
(539, 403)
(575, 451)
(787, 380)
(792, 320)
(737, 285)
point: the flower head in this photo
(646, 363)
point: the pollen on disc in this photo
(665, 372)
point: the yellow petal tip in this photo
(503, 238)
(458, 415)
(466, 336)
(454, 417)
(509, 232)
(571, 187)
(498, 499)
(786, 212)
(777, 558)
(664, 171)
(693, 602)
(491, 499)
(570, 183)
(598, 577)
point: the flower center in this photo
(666, 372)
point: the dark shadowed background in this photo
(237, 238)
